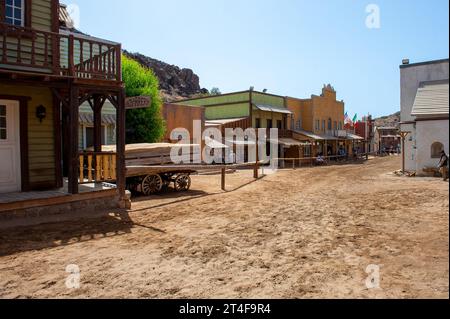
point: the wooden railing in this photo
(97, 167)
(65, 55)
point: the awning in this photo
(88, 119)
(269, 108)
(214, 144)
(290, 142)
(354, 137)
(309, 135)
(223, 121)
(241, 142)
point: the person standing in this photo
(443, 166)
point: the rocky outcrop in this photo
(389, 121)
(175, 83)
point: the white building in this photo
(425, 112)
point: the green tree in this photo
(143, 125)
(215, 91)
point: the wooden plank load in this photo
(150, 154)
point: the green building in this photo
(248, 108)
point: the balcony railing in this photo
(61, 54)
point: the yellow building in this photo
(320, 121)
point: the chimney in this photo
(405, 61)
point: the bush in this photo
(143, 125)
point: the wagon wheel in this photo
(151, 184)
(182, 182)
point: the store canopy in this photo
(354, 137)
(223, 121)
(214, 144)
(289, 142)
(270, 108)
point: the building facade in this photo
(319, 120)
(47, 71)
(424, 112)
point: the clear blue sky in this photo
(286, 46)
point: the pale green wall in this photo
(220, 99)
(260, 98)
(227, 111)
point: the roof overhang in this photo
(270, 108)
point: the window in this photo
(323, 125)
(436, 150)
(293, 124)
(258, 123)
(317, 125)
(335, 126)
(3, 134)
(15, 12)
(329, 125)
(340, 126)
(298, 126)
(269, 124)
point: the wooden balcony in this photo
(64, 54)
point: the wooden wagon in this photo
(150, 170)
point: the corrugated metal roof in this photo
(431, 99)
(223, 121)
(88, 118)
(354, 137)
(270, 108)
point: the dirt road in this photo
(309, 233)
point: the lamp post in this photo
(403, 135)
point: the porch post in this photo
(58, 141)
(98, 105)
(73, 140)
(120, 141)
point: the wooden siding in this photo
(41, 149)
(41, 15)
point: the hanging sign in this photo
(137, 102)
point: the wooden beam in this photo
(58, 140)
(73, 140)
(97, 123)
(120, 145)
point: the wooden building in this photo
(47, 71)
(178, 116)
(319, 120)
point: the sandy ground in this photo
(308, 233)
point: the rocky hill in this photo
(389, 121)
(175, 83)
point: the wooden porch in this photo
(74, 68)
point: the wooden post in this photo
(73, 140)
(223, 178)
(403, 136)
(256, 169)
(120, 131)
(97, 123)
(57, 133)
